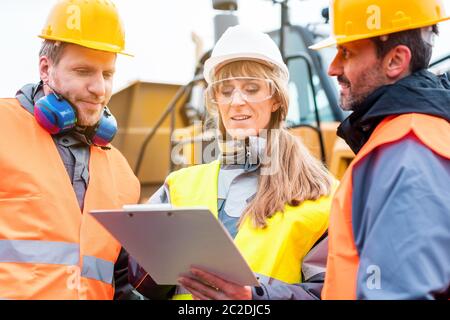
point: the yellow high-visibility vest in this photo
(276, 251)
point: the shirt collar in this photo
(246, 154)
(67, 140)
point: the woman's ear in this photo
(276, 105)
(397, 62)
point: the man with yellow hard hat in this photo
(57, 164)
(389, 230)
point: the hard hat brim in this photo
(336, 40)
(328, 42)
(90, 44)
(212, 65)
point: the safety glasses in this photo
(251, 89)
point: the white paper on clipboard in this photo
(167, 241)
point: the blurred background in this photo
(159, 33)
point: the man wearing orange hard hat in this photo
(389, 230)
(57, 164)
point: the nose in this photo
(237, 99)
(335, 69)
(97, 85)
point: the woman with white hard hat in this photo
(272, 196)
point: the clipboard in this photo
(167, 241)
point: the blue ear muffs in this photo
(56, 115)
(105, 130)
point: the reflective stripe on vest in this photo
(53, 250)
(46, 252)
(276, 251)
(343, 259)
(34, 251)
(97, 269)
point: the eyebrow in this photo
(89, 67)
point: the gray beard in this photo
(353, 101)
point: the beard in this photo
(87, 115)
(357, 91)
(88, 118)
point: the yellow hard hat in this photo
(93, 24)
(362, 19)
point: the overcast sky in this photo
(158, 33)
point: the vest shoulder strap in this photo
(433, 132)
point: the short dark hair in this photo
(52, 50)
(421, 51)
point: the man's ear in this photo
(44, 68)
(397, 62)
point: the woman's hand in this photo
(210, 287)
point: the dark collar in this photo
(421, 92)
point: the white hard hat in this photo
(241, 43)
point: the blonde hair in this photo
(299, 176)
